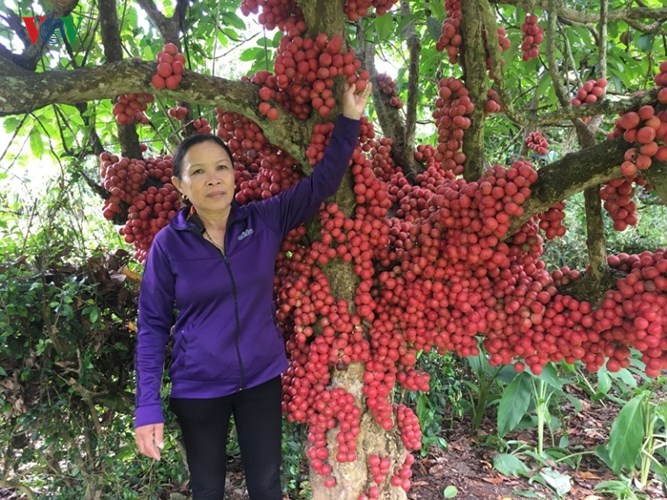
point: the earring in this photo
(184, 197)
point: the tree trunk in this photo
(354, 478)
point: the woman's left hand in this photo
(354, 102)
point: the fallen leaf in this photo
(131, 274)
(588, 475)
(438, 470)
(493, 480)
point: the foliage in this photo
(66, 350)
(68, 331)
(638, 438)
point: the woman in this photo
(209, 281)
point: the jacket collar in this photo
(183, 221)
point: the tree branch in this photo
(414, 47)
(124, 77)
(552, 65)
(488, 17)
(586, 17)
(113, 51)
(572, 174)
(391, 121)
(167, 26)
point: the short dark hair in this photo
(187, 143)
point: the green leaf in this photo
(645, 42)
(627, 435)
(422, 404)
(509, 465)
(233, 20)
(550, 376)
(94, 314)
(604, 381)
(10, 123)
(625, 375)
(384, 26)
(434, 28)
(450, 491)
(514, 403)
(36, 143)
(252, 54)
(557, 481)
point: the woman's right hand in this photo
(150, 440)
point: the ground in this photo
(467, 464)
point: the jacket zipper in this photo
(238, 322)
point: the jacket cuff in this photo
(146, 415)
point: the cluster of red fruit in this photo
(379, 468)
(533, 34)
(282, 14)
(370, 192)
(334, 408)
(590, 92)
(492, 104)
(642, 297)
(123, 178)
(452, 108)
(661, 81)
(202, 126)
(408, 424)
(648, 130)
(149, 208)
(305, 69)
(617, 196)
(261, 169)
(129, 108)
(537, 142)
(551, 221)
(170, 68)
(387, 85)
(178, 112)
(402, 474)
(451, 39)
(356, 9)
(503, 41)
(150, 211)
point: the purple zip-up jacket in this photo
(224, 333)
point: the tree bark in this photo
(473, 56)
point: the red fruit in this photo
(643, 162)
(272, 114)
(645, 135)
(164, 69)
(266, 93)
(662, 95)
(158, 82)
(628, 169)
(661, 154)
(172, 81)
(630, 120)
(170, 48)
(177, 67)
(646, 112)
(163, 57)
(649, 149)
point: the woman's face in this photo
(208, 177)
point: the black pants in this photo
(205, 425)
